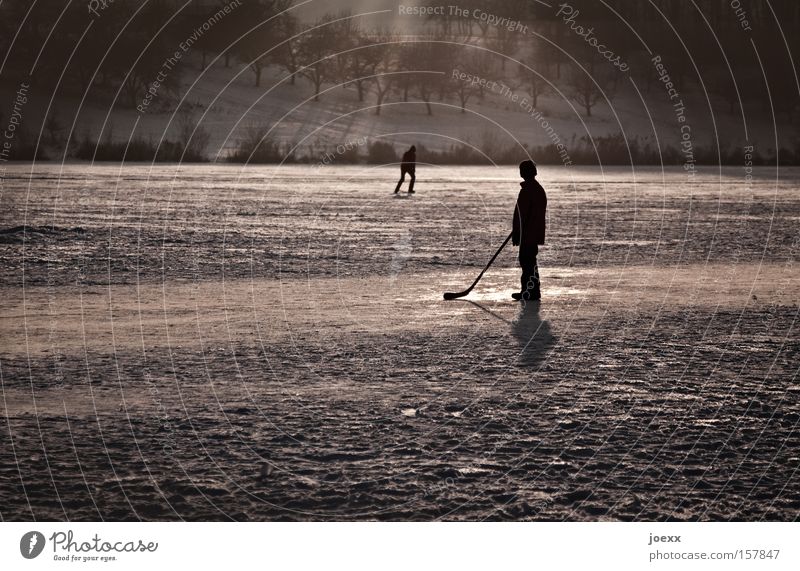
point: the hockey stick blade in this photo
(450, 295)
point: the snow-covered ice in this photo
(214, 342)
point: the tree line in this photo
(121, 50)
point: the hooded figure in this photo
(528, 230)
(408, 165)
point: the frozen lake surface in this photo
(215, 342)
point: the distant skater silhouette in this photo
(408, 165)
(528, 230)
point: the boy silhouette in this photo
(408, 165)
(528, 230)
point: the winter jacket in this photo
(409, 161)
(529, 215)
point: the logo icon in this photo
(31, 544)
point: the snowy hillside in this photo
(230, 104)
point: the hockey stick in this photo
(451, 295)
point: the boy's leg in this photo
(530, 272)
(524, 263)
(402, 178)
(411, 182)
(534, 290)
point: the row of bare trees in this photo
(121, 50)
(383, 63)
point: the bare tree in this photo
(428, 55)
(464, 89)
(315, 53)
(505, 42)
(484, 66)
(362, 61)
(346, 33)
(535, 82)
(254, 48)
(448, 24)
(589, 85)
(383, 66)
(286, 56)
